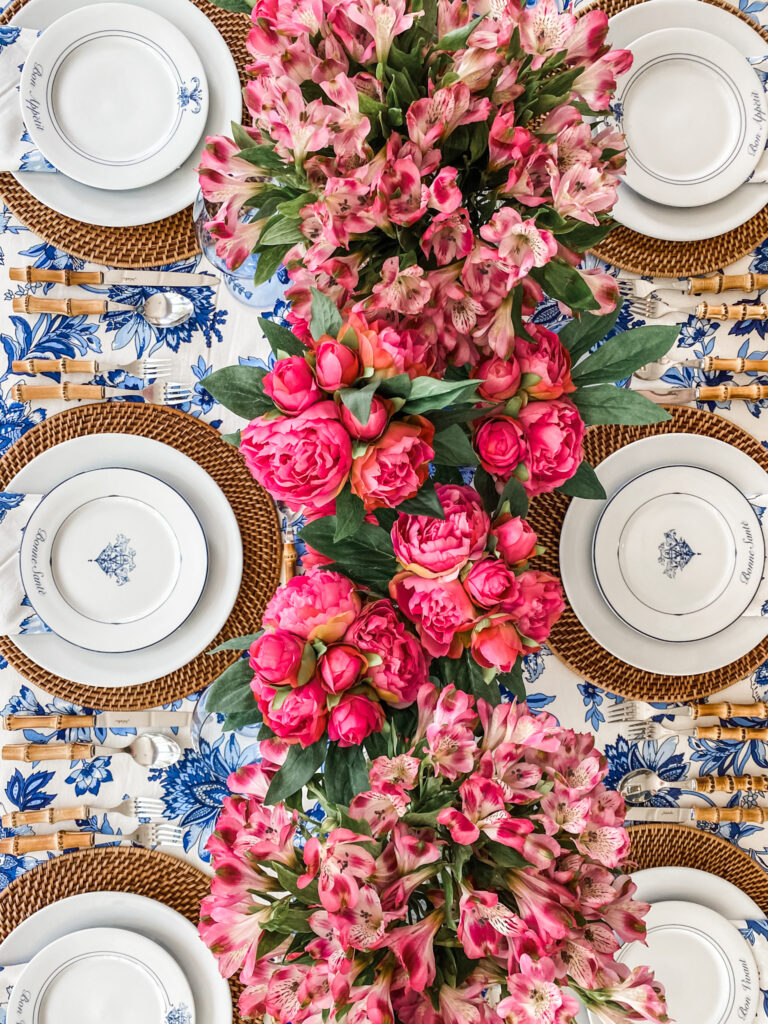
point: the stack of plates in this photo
(133, 558)
(695, 116)
(662, 573)
(119, 97)
(134, 960)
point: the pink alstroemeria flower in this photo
(483, 810)
(383, 20)
(521, 244)
(485, 924)
(404, 291)
(534, 995)
(342, 864)
(382, 809)
(412, 945)
(402, 771)
(449, 236)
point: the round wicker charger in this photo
(640, 254)
(569, 640)
(256, 516)
(129, 869)
(145, 245)
(658, 846)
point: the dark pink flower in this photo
(276, 657)
(291, 386)
(548, 359)
(439, 608)
(515, 538)
(490, 582)
(403, 668)
(353, 718)
(500, 377)
(340, 667)
(554, 432)
(442, 547)
(336, 366)
(501, 445)
(299, 716)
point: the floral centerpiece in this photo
(474, 879)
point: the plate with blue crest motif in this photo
(678, 553)
(101, 974)
(113, 560)
(113, 96)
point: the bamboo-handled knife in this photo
(106, 720)
(690, 815)
(157, 278)
(703, 393)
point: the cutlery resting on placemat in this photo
(105, 720)
(690, 815)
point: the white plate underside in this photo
(177, 935)
(576, 557)
(225, 558)
(678, 224)
(178, 190)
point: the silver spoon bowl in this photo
(154, 750)
(639, 785)
(166, 309)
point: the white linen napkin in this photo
(17, 616)
(17, 151)
(756, 936)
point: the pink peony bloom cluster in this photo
(328, 660)
(476, 879)
(428, 170)
(465, 582)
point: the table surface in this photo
(224, 330)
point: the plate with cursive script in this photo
(678, 553)
(114, 96)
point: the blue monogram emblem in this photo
(674, 554)
(180, 1014)
(191, 95)
(117, 560)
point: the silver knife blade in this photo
(677, 396)
(675, 815)
(159, 278)
(139, 719)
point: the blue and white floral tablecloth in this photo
(222, 331)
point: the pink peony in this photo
(539, 604)
(490, 582)
(336, 366)
(354, 718)
(442, 547)
(554, 432)
(403, 668)
(497, 645)
(439, 608)
(276, 657)
(320, 606)
(291, 386)
(515, 539)
(501, 378)
(393, 468)
(548, 359)
(501, 445)
(303, 461)
(300, 717)
(340, 667)
(374, 426)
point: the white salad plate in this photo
(113, 96)
(647, 653)
(225, 558)
(695, 116)
(102, 974)
(156, 921)
(677, 223)
(678, 553)
(178, 189)
(113, 560)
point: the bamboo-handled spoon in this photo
(640, 785)
(151, 750)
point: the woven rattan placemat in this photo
(143, 872)
(569, 640)
(146, 245)
(256, 516)
(659, 846)
(633, 251)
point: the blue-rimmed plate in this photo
(114, 96)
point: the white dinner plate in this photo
(678, 553)
(225, 558)
(113, 96)
(177, 190)
(695, 117)
(575, 557)
(685, 224)
(113, 560)
(694, 886)
(101, 974)
(156, 921)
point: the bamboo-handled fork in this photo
(653, 309)
(159, 393)
(148, 836)
(714, 284)
(144, 368)
(639, 731)
(133, 807)
(639, 710)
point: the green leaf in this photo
(233, 438)
(514, 493)
(428, 393)
(296, 771)
(237, 643)
(326, 319)
(453, 447)
(350, 512)
(280, 339)
(581, 237)
(398, 386)
(583, 484)
(367, 105)
(240, 719)
(562, 281)
(285, 231)
(231, 692)
(443, 418)
(605, 403)
(386, 518)
(486, 488)
(358, 400)
(366, 557)
(240, 389)
(618, 357)
(238, 6)
(513, 680)
(345, 774)
(579, 336)
(424, 503)
(241, 136)
(505, 856)
(269, 262)
(457, 39)
(292, 207)
(468, 676)
(267, 942)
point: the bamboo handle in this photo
(289, 561)
(724, 709)
(30, 274)
(742, 311)
(731, 783)
(734, 365)
(755, 815)
(32, 366)
(56, 842)
(12, 722)
(66, 307)
(722, 282)
(46, 816)
(66, 391)
(726, 392)
(46, 751)
(721, 732)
